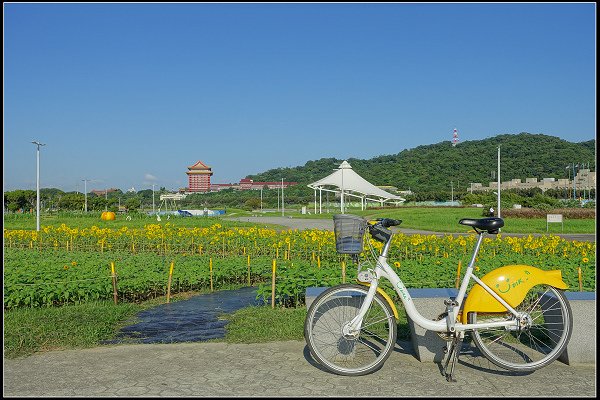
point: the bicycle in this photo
(517, 315)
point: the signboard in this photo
(554, 218)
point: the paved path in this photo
(278, 369)
(327, 224)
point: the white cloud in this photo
(149, 179)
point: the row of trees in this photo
(294, 196)
(430, 168)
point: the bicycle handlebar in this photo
(380, 232)
(387, 222)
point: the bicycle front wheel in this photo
(343, 352)
(542, 336)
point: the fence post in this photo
(458, 274)
(211, 273)
(580, 281)
(273, 284)
(114, 281)
(169, 284)
(343, 271)
(248, 269)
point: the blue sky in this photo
(128, 95)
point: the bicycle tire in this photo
(345, 355)
(535, 346)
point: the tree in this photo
(20, 199)
(133, 203)
(71, 201)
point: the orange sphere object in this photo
(108, 216)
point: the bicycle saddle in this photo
(491, 225)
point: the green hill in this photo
(432, 167)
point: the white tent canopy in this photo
(348, 183)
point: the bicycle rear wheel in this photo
(543, 336)
(347, 354)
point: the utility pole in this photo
(85, 181)
(282, 204)
(154, 184)
(38, 144)
(499, 182)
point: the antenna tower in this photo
(454, 138)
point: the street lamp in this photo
(85, 181)
(498, 181)
(38, 144)
(154, 184)
(282, 206)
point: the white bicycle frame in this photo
(448, 324)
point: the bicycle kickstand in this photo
(452, 357)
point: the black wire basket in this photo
(349, 233)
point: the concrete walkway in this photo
(278, 369)
(327, 224)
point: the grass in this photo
(445, 219)
(260, 324)
(30, 330)
(436, 219)
(28, 221)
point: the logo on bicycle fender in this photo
(514, 284)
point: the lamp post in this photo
(342, 194)
(574, 182)
(568, 168)
(154, 184)
(498, 181)
(282, 204)
(85, 181)
(38, 144)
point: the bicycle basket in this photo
(349, 232)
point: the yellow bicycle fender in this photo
(385, 296)
(511, 283)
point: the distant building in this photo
(584, 180)
(199, 177)
(249, 184)
(103, 192)
(217, 187)
(199, 181)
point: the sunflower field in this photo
(63, 265)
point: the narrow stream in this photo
(193, 320)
